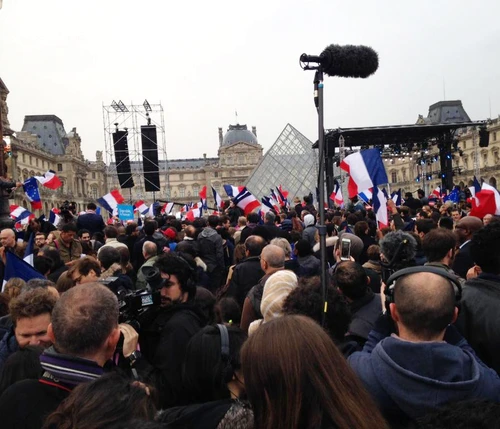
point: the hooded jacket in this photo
(211, 249)
(309, 230)
(410, 379)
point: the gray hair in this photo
(284, 244)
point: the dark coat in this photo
(227, 413)
(463, 261)
(479, 318)
(8, 345)
(408, 380)
(365, 313)
(163, 344)
(211, 249)
(90, 221)
(246, 275)
(26, 404)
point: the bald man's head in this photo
(467, 226)
(425, 303)
(274, 256)
(8, 238)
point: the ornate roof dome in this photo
(239, 133)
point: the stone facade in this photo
(32, 154)
(182, 179)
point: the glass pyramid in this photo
(291, 162)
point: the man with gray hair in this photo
(84, 330)
(272, 259)
(149, 251)
(269, 224)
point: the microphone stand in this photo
(321, 227)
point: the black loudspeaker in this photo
(484, 137)
(122, 158)
(150, 158)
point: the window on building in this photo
(195, 176)
(216, 174)
(394, 176)
(241, 159)
(24, 158)
(196, 189)
(182, 192)
(43, 163)
(403, 171)
(31, 160)
(59, 167)
(94, 193)
(181, 176)
(495, 136)
(93, 175)
(465, 144)
(36, 162)
(485, 159)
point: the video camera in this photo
(137, 307)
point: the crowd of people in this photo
(223, 322)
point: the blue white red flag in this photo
(16, 267)
(141, 207)
(217, 198)
(366, 170)
(233, 191)
(380, 208)
(336, 195)
(49, 180)
(32, 193)
(110, 201)
(246, 201)
(203, 197)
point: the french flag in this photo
(233, 191)
(475, 188)
(203, 197)
(54, 217)
(380, 207)
(336, 195)
(167, 208)
(437, 192)
(486, 201)
(246, 201)
(141, 207)
(110, 201)
(366, 195)
(20, 214)
(153, 209)
(29, 252)
(396, 197)
(195, 212)
(217, 198)
(32, 193)
(49, 180)
(365, 169)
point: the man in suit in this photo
(90, 220)
(464, 229)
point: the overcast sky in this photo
(205, 59)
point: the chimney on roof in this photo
(221, 136)
(254, 131)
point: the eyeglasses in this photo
(78, 279)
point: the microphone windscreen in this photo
(349, 61)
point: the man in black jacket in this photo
(164, 340)
(211, 252)
(247, 273)
(84, 330)
(464, 229)
(351, 280)
(91, 220)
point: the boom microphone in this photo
(345, 61)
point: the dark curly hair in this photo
(181, 265)
(307, 299)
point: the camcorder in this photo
(138, 308)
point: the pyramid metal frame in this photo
(291, 162)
